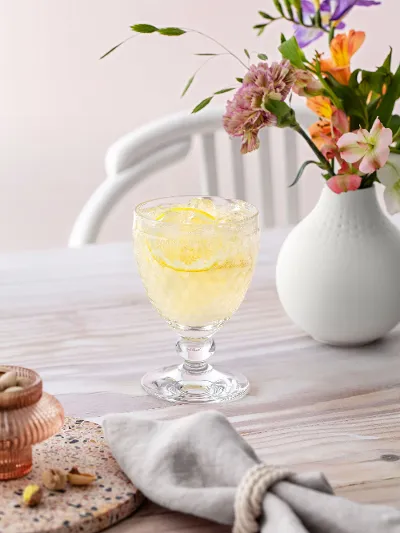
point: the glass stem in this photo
(195, 353)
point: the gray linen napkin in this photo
(194, 465)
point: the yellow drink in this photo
(196, 259)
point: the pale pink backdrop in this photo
(61, 107)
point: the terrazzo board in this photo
(90, 509)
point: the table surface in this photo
(81, 318)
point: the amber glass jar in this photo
(27, 417)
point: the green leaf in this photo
(302, 169)
(263, 57)
(171, 32)
(222, 91)
(260, 28)
(372, 108)
(352, 100)
(202, 104)
(299, 9)
(385, 106)
(265, 15)
(364, 88)
(240, 80)
(112, 49)
(291, 50)
(376, 80)
(394, 124)
(189, 83)
(396, 136)
(353, 83)
(387, 64)
(247, 53)
(206, 54)
(283, 39)
(284, 113)
(144, 28)
(289, 8)
(278, 6)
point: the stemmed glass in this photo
(196, 257)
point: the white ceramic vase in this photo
(338, 272)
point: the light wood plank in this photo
(82, 319)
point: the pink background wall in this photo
(61, 107)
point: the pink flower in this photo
(306, 84)
(244, 117)
(328, 143)
(344, 183)
(276, 80)
(370, 148)
(246, 114)
(340, 123)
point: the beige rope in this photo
(250, 494)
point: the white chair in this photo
(164, 142)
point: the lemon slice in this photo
(185, 215)
(186, 253)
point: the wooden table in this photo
(81, 318)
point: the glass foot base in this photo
(175, 384)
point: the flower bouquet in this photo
(337, 272)
(356, 129)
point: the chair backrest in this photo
(161, 143)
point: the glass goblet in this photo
(196, 257)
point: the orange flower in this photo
(343, 47)
(325, 133)
(320, 132)
(321, 105)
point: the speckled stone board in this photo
(89, 509)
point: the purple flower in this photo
(246, 114)
(306, 36)
(330, 10)
(344, 6)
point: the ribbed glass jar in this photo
(27, 417)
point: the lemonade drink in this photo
(196, 258)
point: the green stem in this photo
(219, 44)
(318, 20)
(299, 23)
(306, 25)
(324, 163)
(331, 32)
(207, 60)
(332, 95)
(396, 136)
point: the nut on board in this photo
(32, 495)
(54, 479)
(80, 478)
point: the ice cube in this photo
(204, 204)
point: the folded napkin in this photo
(200, 465)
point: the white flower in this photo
(389, 176)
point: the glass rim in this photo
(137, 210)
